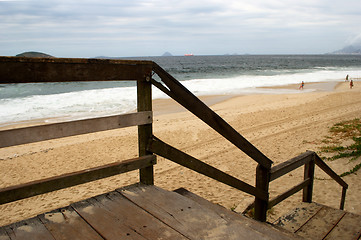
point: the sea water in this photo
(202, 75)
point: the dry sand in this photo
(281, 126)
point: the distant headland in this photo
(351, 49)
(34, 54)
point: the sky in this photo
(124, 28)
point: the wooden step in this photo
(267, 230)
(141, 212)
(316, 221)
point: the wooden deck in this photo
(142, 212)
(316, 221)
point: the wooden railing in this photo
(309, 160)
(20, 70)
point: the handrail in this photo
(25, 70)
(160, 148)
(308, 158)
(290, 165)
(321, 164)
(183, 96)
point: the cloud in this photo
(148, 27)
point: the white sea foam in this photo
(100, 102)
(74, 105)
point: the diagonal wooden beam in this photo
(183, 96)
(162, 149)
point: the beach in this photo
(281, 126)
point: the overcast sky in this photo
(119, 28)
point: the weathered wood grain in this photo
(136, 218)
(289, 193)
(17, 136)
(4, 235)
(349, 227)
(230, 216)
(34, 188)
(65, 223)
(188, 217)
(188, 100)
(162, 149)
(32, 227)
(105, 222)
(25, 70)
(321, 224)
(321, 164)
(297, 217)
(290, 165)
(145, 132)
(309, 173)
(262, 183)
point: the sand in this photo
(282, 126)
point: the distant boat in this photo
(188, 54)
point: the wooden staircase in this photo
(146, 211)
(143, 212)
(316, 221)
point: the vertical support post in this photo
(145, 132)
(262, 182)
(343, 197)
(309, 173)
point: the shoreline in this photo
(168, 105)
(281, 126)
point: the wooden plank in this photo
(162, 149)
(330, 172)
(32, 228)
(290, 165)
(65, 223)
(145, 132)
(348, 228)
(25, 135)
(297, 217)
(4, 235)
(105, 222)
(136, 218)
(289, 193)
(188, 100)
(320, 224)
(34, 188)
(186, 216)
(22, 70)
(230, 216)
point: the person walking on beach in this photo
(351, 84)
(346, 78)
(302, 85)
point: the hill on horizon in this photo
(167, 54)
(34, 54)
(350, 49)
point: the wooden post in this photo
(144, 102)
(343, 197)
(309, 173)
(262, 183)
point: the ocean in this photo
(202, 75)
